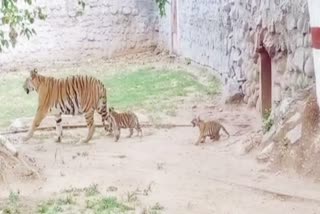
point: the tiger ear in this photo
(33, 73)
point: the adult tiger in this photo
(73, 95)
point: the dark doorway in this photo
(265, 80)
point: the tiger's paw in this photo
(116, 138)
(82, 141)
(26, 138)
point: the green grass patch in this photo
(107, 205)
(75, 200)
(147, 88)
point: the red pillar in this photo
(265, 81)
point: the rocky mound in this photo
(293, 142)
(14, 165)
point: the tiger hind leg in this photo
(58, 128)
(139, 130)
(91, 127)
(131, 132)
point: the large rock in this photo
(309, 67)
(294, 134)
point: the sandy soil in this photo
(216, 177)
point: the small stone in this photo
(135, 12)
(126, 11)
(264, 155)
(114, 10)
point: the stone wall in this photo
(226, 34)
(107, 28)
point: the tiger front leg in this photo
(116, 134)
(35, 124)
(58, 128)
(201, 139)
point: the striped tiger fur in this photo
(74, 95)
(124, 120)
(208, 129)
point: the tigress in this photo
(124, 120)
(73, 95)
(208, 129)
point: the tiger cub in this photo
(123, 120)
(208, 129)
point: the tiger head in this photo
(195, 121)
(29, 83)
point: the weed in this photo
(160, 166)
(188, 61)
(157, 207)
(91, 190)
(66, 200)
(14, 197)
(147, 190)
(49, 207)
(13, 206)
(267, 121)
(132, 196)
(107, 205)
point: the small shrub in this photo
(12, 207)
(267, 121)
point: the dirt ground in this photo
(216, 177)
